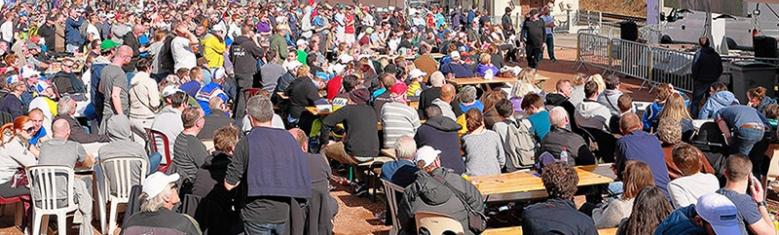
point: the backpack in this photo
(520, 145)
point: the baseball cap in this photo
(399, 88)
(170, 90)
(108, 44)
(345, 59)
(415, 73)
(41, 86)
(13, 79)
(427, 154)
(155, 183)
(218, 27)
(28, 72)
(720, 212)
(293, 65)
(455, 54)
(302, 42)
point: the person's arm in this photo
(116, 101)
(238, 165)
(153, 94)
(24, 157)
(609, 215)
(723, 127)
(763, 226)
(86, 159)
(501, 151)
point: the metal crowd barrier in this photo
(632, 59)
(672, 66)
(594, 51)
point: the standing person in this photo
(752, 209)
(533, 35)
(244, 54)
(214, 47)
(144, 100)
(113, 85)
(549, 26)
(7, 28)
(706, 70)
(558, 213)
(73, 38)
(189, 153)
(181, 48)
(506, 23)
(274, 170)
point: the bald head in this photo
(61, 129)
(629, 123)
(122, 56)
(138, 29)
(558, 117)
(447, 92)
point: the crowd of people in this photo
(215, 97)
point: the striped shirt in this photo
(398, 119)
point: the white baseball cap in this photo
(415, 73)
(170, 90)
(427, 154)
(345, 59)
(155, 183)
(219, 27)
(454, 54)
(720, 212)
(293, 65)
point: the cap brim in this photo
(726, 229)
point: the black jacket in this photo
(301, 92)
(558, 139)
(131, 40)
(556, 216)
(707, 65)
(362, 135)
(165, 57)
(427, 193)
(48, 33)
(441, 133)
(426, 99)
(244, 54)
(78, 134)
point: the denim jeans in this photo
(744, 139)
(550, 46)
(264, 229)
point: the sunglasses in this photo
(29, 129)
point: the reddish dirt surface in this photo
(623, 7)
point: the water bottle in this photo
(564, 155)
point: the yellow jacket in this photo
(213, 51)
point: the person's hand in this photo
(756, 189)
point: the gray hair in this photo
(468, 94)
(157, 202)
(260, 108)
(405, 147)
(557, 116)
(63, 106)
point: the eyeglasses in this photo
(29, 129)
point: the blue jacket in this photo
(679, 223)
(716, 102)
(72, 33)
(459, 70)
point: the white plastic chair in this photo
(44, 180)
(122, 180)
(391, 190)
(437, 223)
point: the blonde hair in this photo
(674, 108)
(528, 76)
(485, 58)
(579, 79)
(597, 78)
(664, 90)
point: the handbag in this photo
(477, 221)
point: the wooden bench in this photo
(518, 231)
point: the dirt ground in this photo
(623, 7)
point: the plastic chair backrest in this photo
(437, 223)
(121, 176)
(391, 191)
(44, 179)
(154, 146)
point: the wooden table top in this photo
(527, 185)
(479, 80)
(517, 230)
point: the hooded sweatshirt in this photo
(118, 130)
(680, 222)
(144, 96)
(592, 114)
(764, 103)
(716, 102)
(244, 54)
(609, 98)
(441, 133)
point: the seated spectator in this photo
(214, 211)
(652, 112)
(711, 214)
(118, 131)
(158, 198)
(246, 125)
(432, 191)
(506, 111)
(719, 97)
(322, 207)
(12, 102)
(45, 102)
(758, 99)
(212, 90)
(401, 172)
(752, 209)
(415, 79)
(577, 92)
(66, 81)
(670, 134)
(590, 113)
(484, 154)
(444, 101)
(467, 99)
(675, 109)
(168, 121)
(361, 143)
(649, 209)
(625, 104)
(60, 151)
(383, 95)
(194, 80)
(747, 125)
(40, 133)
(441, 133)
(536, 115)
(561, 97)
(636, 177)
(217, 118)
(562, 139)
(426, 98)
(693, 181)
(78, 133)
(456, 67)
(636, 144)
(558, 213)
(302, 92)
(15, 153)
(485, 68)
(397, 118)
(610, 96)
(189, 152)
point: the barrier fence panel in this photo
(593, 50)
(672, 66)
(632, 59)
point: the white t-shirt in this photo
(686, 190)
(91, 29)
(183, 57)
(7, 31)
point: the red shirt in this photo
(334, 87)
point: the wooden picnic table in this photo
(517, 230)
(479, 81)
(524, 185)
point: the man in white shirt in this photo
(183, 57)
(7, 28)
